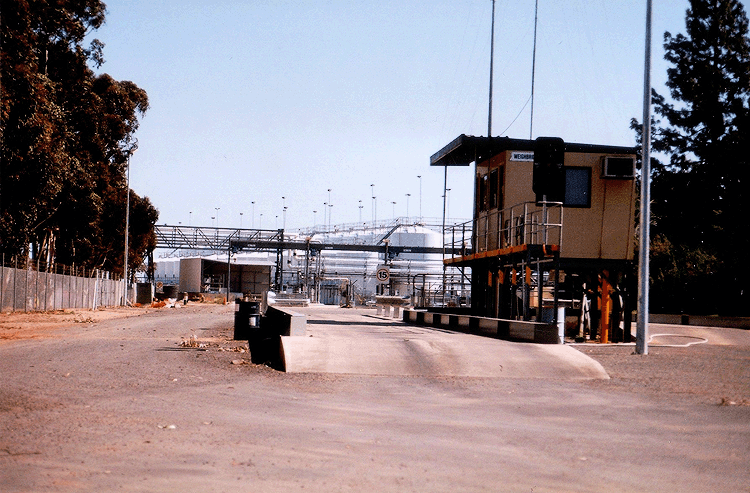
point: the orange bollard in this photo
(606, 307)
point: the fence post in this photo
(26, 288)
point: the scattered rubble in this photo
(193, 342)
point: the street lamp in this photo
(329, 209)
(394, 209)
(407, 205)
(448, 206)
(374, 206)
(360, 211)
(420, 197)
(252, 218)
(217, 216)
(240, 220)
(131, 151)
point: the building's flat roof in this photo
(467, 149)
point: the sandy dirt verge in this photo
(16, 326)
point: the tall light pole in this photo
(329, 209)
(420, 197)
(240, 220)
(407, 205)
(394, 209)
(641, 336)
(448, 204)
(284, 223)
(372, 194)
(360, 211)
(252, 218)
(217, 216)
(131, 151)
(315, 220)
(260, 223)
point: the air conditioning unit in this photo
(622, 167)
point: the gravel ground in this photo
(167, 401)
(702, 373)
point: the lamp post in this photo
(315, 219)
(260, 222)
(240, 220)
(394, 209)
(407, 205)
(217, 216)
(131, 151)
(360, 211)
(252, 216)
(372, 194)
(330, 210)
(448, 204)
(420, 197)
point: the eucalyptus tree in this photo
(65, 137)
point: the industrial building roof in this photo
(467, 149)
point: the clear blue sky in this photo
(255, 100)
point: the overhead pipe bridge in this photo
(226, 239)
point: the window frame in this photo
(589, 174)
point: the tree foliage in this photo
(699, 202)
(66, 134)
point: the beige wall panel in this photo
(604, 230)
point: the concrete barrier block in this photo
(285, 322)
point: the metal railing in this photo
(521, 224)
(209, 238)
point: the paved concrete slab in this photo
(357, 341)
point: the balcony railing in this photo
(527, 223)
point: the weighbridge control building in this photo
(553, 226)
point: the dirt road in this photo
(134, 404)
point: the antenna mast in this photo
(533, 72)
(492, 58)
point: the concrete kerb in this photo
(513, 330)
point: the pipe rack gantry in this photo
(223, 239)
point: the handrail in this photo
(520, 224)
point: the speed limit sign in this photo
(383, 274)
